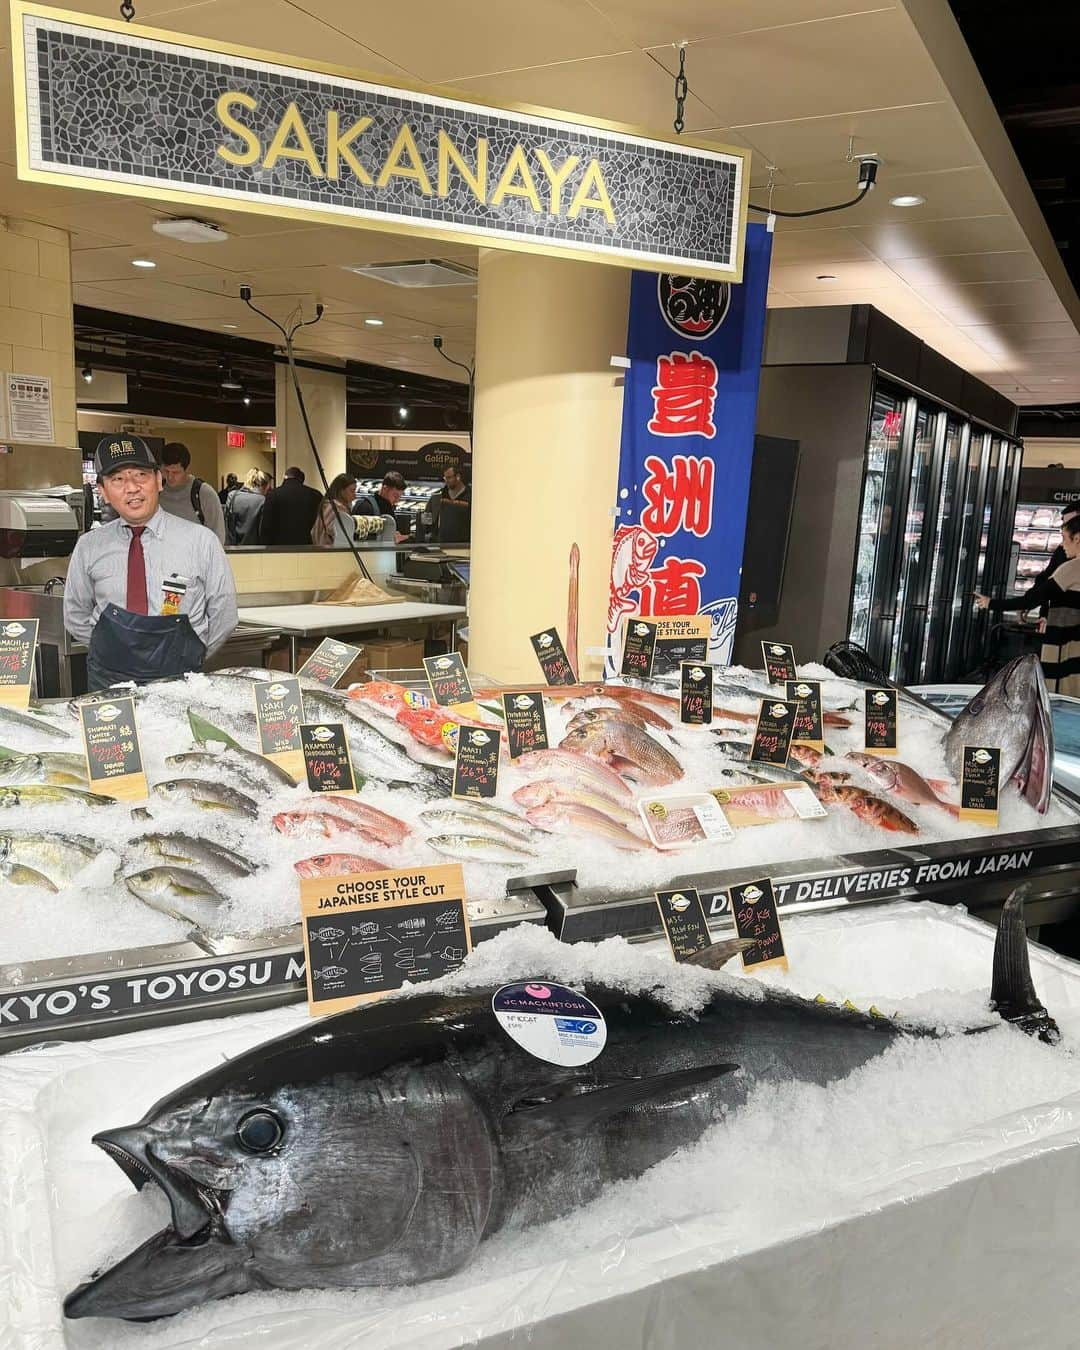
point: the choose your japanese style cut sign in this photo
(687, 444)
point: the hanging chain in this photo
(127, 10)
(681, 91)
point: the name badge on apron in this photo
(173, 590)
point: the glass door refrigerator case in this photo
(934, 527)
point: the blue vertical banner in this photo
(689, 407)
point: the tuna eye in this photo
(259, 1131)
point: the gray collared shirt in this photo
(97, 576)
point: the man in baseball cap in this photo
(149, 593)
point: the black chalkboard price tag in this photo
(476, 763)
(695, 694)
(753, 905)
(329, 661)
(368, 933)
(808, 728)
(882, 728)
(552, 656)
(114, 764)
(979, 784)
(779, 661)
(18, 639)
(327, 761)
(639, 647)
(526, 723)
(448, 680)
(774, 730)
(684, 922)
(279, 710)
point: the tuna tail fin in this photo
(720, 953)
(1012, 994)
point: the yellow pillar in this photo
(324, 398)
(545, 453)
(37, 338)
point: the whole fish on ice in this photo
(383, 1145)
(627, 750)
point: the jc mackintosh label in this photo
(18, 640)
(476, 763)
(448, 680)
(881, 735)
(551, 654)
(979, 784)
(695, 694)
(329, 661)
(773, 733)
(113, 758)
(639, 647)
(753, 907)
(779, 661)
(808, 728)
(279, 710)
(256, 131)
(526, 723)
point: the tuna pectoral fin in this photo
(164, 1276)
(582, 1106)
(720, 953)
(1012, 994)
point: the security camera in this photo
(245, 293)
(868, 169)
(438, 343)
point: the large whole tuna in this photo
(383, 1145)
(1012, 711)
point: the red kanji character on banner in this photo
(679, 497)
(674, 588)
(684, 395)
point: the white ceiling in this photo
(973, 271)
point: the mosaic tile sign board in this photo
(124, 108)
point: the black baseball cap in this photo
(123, 451)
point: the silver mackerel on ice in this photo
(383, 1145)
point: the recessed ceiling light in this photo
(907, 199)
(230, 325)
(374, 323)
(142, 262)
(826, 276)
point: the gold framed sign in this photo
(118, 107)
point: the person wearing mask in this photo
(150, 593)
(289, 511)
(244, 507)
(453, 509)
(231, 484)
(334, 526)
(188, 497)
(1060, 593)
(384, 503)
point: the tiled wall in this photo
(291, 571)
(36, 334)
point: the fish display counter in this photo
(186, 905)
(860, 1148)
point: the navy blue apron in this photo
(140, 647)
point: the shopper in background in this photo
(188, 497)
(289, 512)
(453, 509)
(334, 526)
(1060, 593)
(384, 503)
(150, 593)
(231, 484)
(244, 506)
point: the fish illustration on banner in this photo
(689, 408)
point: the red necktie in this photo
(136, 578)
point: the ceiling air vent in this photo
(422, 272)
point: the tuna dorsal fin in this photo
(1012, 993)
(720, 953)
(565, 1108)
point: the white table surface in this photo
(310, 619)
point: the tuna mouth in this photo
(193, 1207)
